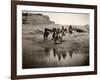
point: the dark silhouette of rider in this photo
(62, 30)
(70, 29)
(46, 33)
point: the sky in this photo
(69, 18)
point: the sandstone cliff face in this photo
(36, 19)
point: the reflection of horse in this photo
(60, 54)
(71, 53)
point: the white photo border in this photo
(21, 71)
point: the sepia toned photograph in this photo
(54, 39)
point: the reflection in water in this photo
(51, 57)
(46, 50)
(36, 56)
(71, 53)
(59, 54)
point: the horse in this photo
(46, 33)
(70, 29)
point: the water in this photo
(39, 57)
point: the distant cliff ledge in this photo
(36, 19)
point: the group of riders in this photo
(57, 33)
